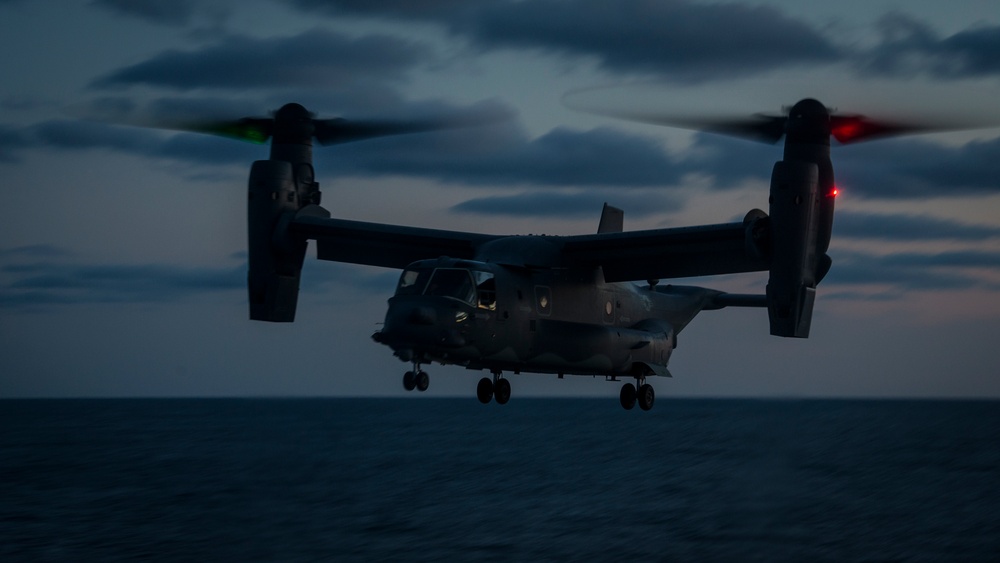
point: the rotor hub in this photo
(293, 124)
(808, 122)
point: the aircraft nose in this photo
(421, 315)
(420, 326)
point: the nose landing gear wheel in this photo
(484, 391)
(646, 396)
(627, 396)
(409, 381)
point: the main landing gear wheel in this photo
(645, 397)
(496, 388)
(627, 396)
(501, 391)
(485, 390)
(418, 380)
(424, 381)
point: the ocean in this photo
(426, 479)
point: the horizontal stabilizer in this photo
(739, 300)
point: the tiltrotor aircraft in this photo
(564, 305)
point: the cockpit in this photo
(469, 282)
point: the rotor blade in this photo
(758, 127)
(251, 129)
(856, 128)
(846, 128)
(762, 128)
(338, 130)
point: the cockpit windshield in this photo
(412, 282)
(475, 287)
(452, 282)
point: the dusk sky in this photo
(122, 249)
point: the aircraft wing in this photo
(375, 244)
(624, 256)
(665, 253)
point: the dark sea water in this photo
(535, 480)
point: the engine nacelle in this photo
(794, 218)
(276, 257)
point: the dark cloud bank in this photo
(689, 41)
(673, 38)
(39, 276)
(680, 40)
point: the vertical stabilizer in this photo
(612, 220)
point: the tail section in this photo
(612, 220)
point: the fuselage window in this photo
(543, 300)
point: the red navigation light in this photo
(834, 192)
(845, 130)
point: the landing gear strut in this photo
(498, 388)
(644, 395)
(416, 379)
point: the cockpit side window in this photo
(486, 287)
(452, 282)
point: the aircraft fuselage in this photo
(484, 315)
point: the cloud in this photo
(70, 134)
(686, 40)
(561, 157)
(690, 41)
(49, 280)
(34, 251)
(406, 9)
(12, 140)
(909, 47)
(88, 135)
(42, 275)
(914, 270)
(886, 169)
(898, 227)
(914, 168)
(170, 12)
(728, 161)
(314, 59)
(575, 204)
(952, 259)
